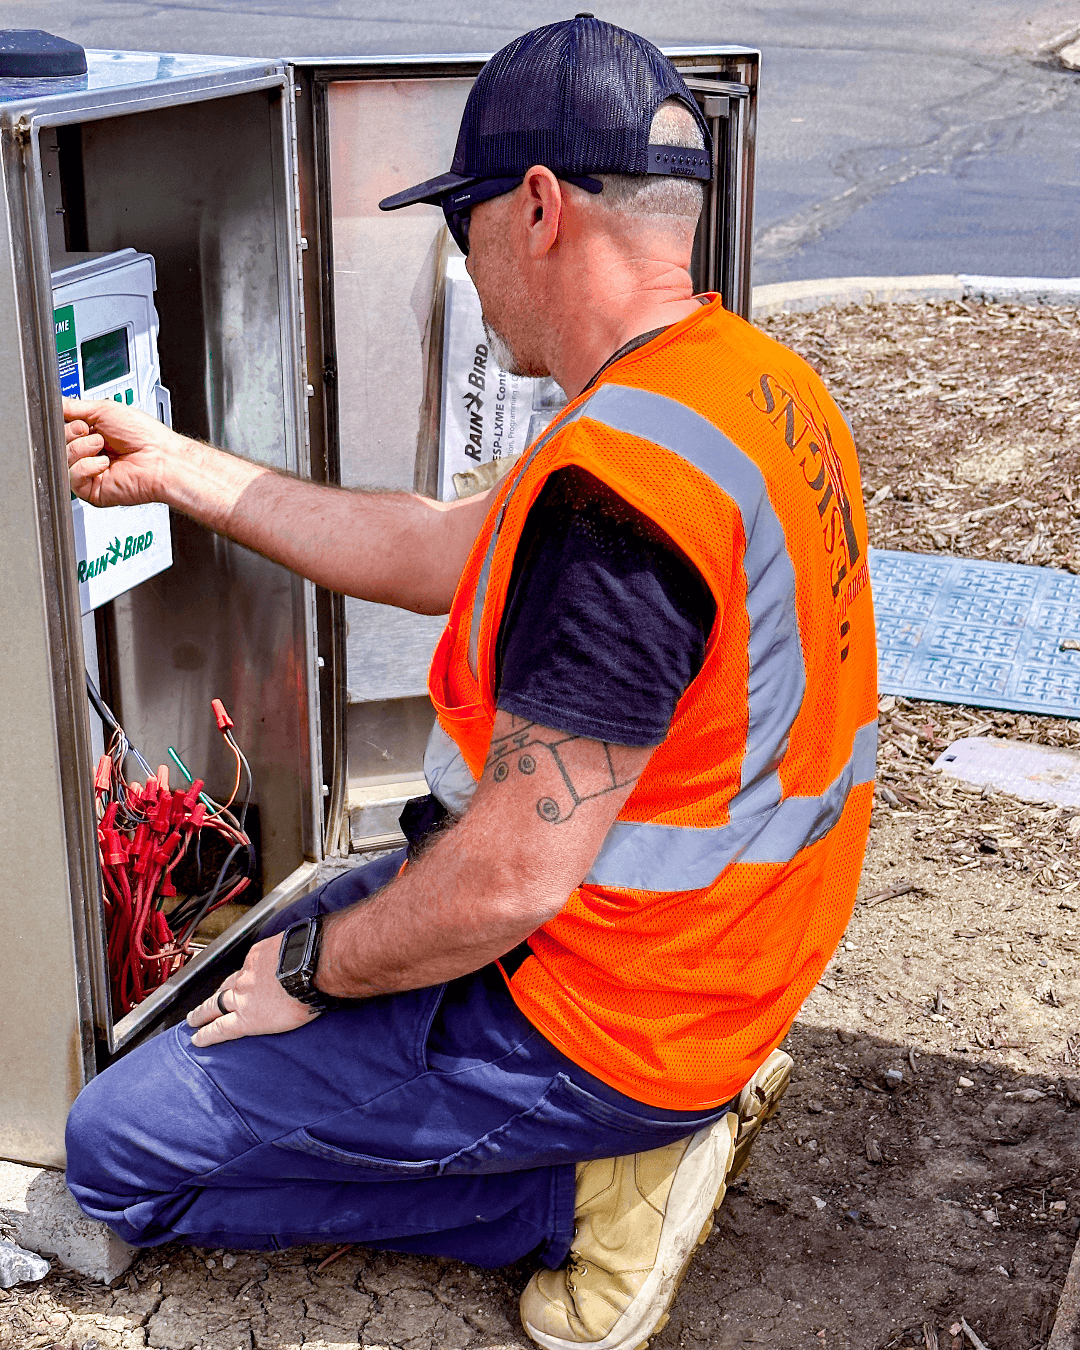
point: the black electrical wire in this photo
(189, 925)
(106, 714)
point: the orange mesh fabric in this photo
(676, 996)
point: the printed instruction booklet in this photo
(487, 413)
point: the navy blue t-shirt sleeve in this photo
(606, 619)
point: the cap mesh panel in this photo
(578, 96)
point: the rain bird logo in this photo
(116, 552)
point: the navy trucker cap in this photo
(577, 96)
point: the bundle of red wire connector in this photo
(143, 834)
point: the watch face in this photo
(292, 954)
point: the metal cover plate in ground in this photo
(1038, 773)
(988, 634)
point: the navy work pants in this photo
(437, 1121)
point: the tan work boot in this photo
(638, 1222)
(758, 1102)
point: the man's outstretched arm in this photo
(543, 806)
(394, 547)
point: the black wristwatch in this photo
(297, 959)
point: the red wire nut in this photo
(163, 814)
(163, 855)
(113, 852)
(221, 717)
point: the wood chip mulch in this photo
(967, 418)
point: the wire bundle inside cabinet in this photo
(149, 835)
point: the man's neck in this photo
(595, 325)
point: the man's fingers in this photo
(85, 414)
(210, 1009)
(227, 1028)
(83, 472)
(73, 430)
(82, 408)
(89, 443)
(214, 1023)
(86, 462)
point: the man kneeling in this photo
(554, 1030)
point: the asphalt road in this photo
(894, 138)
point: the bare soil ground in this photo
(926, 1165)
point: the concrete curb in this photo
(786, 297)
(1023, 290)
(35, 1202)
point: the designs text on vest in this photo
(810, 442)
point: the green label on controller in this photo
(67, 353)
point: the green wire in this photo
(208, 802)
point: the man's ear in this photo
(542, 205)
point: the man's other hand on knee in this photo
(250, 1002)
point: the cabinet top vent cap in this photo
(30, 53)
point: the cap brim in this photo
(432, 190)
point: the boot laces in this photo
(577, 1267)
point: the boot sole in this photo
(687, 1223)
(757, 1103)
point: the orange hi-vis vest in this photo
(729, 876)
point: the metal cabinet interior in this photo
(299, 327)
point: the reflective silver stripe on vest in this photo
(479, 596)
(649, 857)
(448, 776)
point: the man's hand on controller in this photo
(117, 456)
(252, 1002)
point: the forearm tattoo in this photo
(586, 768)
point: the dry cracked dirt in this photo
(925, 1165)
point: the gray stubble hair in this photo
(657, 194)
